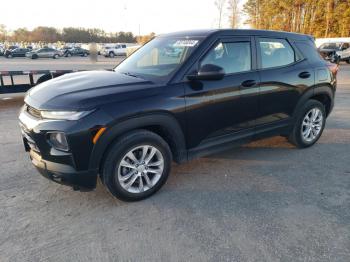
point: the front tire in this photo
(137, 165)
(111, 54)
(55, 56)
(309, 125)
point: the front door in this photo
(216, 108)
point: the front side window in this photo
(159, 58)
(232, 57)
(275, 52)
(345, 46)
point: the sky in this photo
(159, 16)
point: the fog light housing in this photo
(58, 140)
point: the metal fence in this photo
(8, 82)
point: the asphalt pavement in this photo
(62, 63)
(265, 201)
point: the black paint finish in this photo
(196, 117)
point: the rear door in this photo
(42, 52)
(228, 106)
(284, 75)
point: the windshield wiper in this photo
(130, 74)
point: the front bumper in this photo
(61, 167)
(64, 174)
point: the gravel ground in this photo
(265, 201)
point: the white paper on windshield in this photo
(183, 43)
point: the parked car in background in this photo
(227, 87)
(330, 51)
(75, 51)
(46, 52)
(343, 55)
(115, 50)
(17, 52)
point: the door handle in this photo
(304, 75)
(248, 83)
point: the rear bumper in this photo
(64, 174)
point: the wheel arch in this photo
(163, 124)
(323, 94)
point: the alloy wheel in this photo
(140, 169)
(312, 125)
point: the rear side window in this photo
(232, 57)
(275, 52)
(309, 51)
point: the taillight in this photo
(333, 67)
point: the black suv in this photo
(127, 125)
(17, 52)
(75, 51)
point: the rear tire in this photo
(111, 54)
(137, 165)
(55, 56)
(309, 125)
(34, 56)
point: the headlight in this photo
(64, 115)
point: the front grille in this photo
(33, 112)
(29, 143)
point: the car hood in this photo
(84, 90)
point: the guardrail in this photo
(13, 87)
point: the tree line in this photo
(69, 35)
(320, 18)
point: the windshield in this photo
(159, 58)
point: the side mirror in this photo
(208, 72)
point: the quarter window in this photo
(232, 57)
(275, 52)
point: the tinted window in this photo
(309, 51)
(123, 46)
(275, 52)
(331, 46)
(232, 57)
(159, 58)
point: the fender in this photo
(317, 90)
(164, 120)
